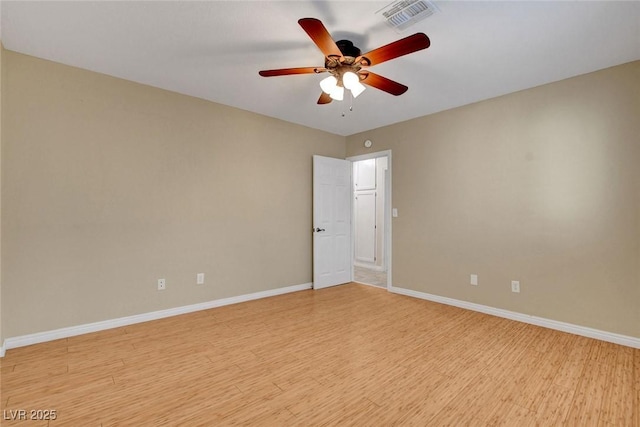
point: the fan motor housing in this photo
(339, 65)
(347, 48)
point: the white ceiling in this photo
(214, 50)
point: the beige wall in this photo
(541, 186)
(109, 185)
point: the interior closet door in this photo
(365, 194)
(365, 229)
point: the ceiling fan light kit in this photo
(347, 66)
(351, 81)
(335, 88)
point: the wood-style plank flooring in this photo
(349, 355)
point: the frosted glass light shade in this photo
(357, 89)
(329, 84)
(337, 93)
(350, 79)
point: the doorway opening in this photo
(371, 225)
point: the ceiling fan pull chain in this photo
(350, 106)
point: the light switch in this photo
(474, 279)
(394, 212)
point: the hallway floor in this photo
(370, 276)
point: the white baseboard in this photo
(525, 318)
(21, 341)
(40, 337)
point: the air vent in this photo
(400, 15)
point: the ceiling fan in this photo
(348, 68)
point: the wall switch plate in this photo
(473, 279)
(394, 212)
(162, 284)
(200, 278)
(515, 286)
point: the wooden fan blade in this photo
(383, 83)
(289, 71)
(396, 49)
(324, 98)
(320, 36)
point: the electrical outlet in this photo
(162, 284)
(200, 279)
(473, 279)
(515, 286)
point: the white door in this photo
(365, 226)
(331, 222)
(364, 174)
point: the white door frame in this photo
(387, 210)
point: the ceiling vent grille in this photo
(400, 15)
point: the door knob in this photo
(317, 230)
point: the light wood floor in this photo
(349, 355)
